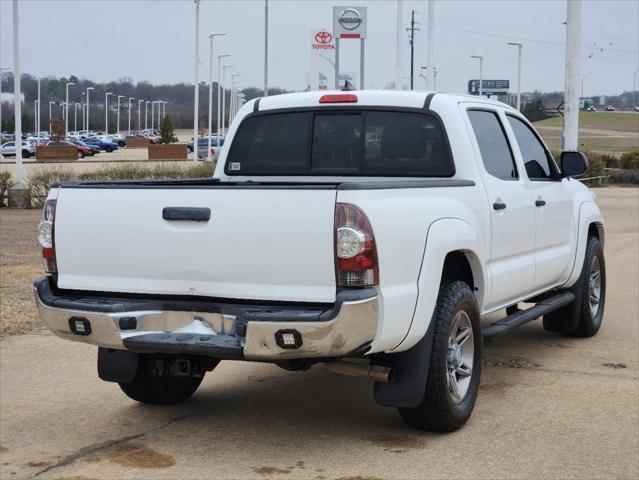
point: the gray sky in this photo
(153, 40)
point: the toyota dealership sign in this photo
(322, 40)
(349, 22)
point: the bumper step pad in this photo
(218, 346)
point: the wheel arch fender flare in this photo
(589, 214)
(445, 236)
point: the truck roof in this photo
(390, 98)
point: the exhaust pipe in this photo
(371, 372)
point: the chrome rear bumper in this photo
(214, 329)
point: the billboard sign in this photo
(349, 22)
(489, 87)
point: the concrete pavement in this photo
(549, 407)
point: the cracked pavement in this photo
(549, 407)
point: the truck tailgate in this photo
(259, 243)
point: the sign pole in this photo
(361, 65)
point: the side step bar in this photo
(520, 317)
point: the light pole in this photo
(17, 99)
(196, 86)
(211, 37)
(75, 116)
(66, 111)
(582, 83)
(139, 114)
(1, 69)
(146, 113)
(219, 90)
(233, 88)
(118, 116)
(520, 47)
(481, 73)
(224, 67)
(50, 127)
(130, 98)
(37, 114)
(88, 105)
(106, 112)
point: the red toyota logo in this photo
(323, 37)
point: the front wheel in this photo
(455, 364)
(26, 154)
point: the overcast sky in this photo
(153, 40)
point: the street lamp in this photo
(224, 67)
(75, 116)
(106, 112)
(139, 111)
(88, 105)
(219, 89)
(146, 111)
(1, 69)
(233, 99)
(211, 37)
(153, 113)
(130, 98)
(118, 121)
(66, 111)
(196, 82)
(50, 127)
(520, 47)
(481, 73)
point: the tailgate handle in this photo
(188, 214)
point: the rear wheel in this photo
(583, 317)
(153, 384)
(121, 143)
(26, 154)
(455, 364)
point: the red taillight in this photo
(338, 98)
(355, 250)
(46, 236)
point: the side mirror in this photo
(573, 164)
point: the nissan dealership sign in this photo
(349, 22)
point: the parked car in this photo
(105, 146)
(203, 147)
(90, 150)
(119, 139)
(8, 149)
(609, 108)
(83, 151)
(305, 247)
(591, 109)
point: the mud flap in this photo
(411, 372)
(117, 365)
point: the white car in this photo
(370, 231)
(9, 149)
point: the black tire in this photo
(25, 154)
(109, 150)
(147, 387)
(438, 411)
(121, 143)
(577, 319)
(80, 154)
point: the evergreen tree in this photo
(166, 130)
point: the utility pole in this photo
(196, 87)
(266, 48)
(519, 49)
(399, 44)
(430, 68)
(106, 112)
(571, 91)
(219, 91)
(211, 37)
(412, 30)
(481, 73)
(66, 111)
(130, 98)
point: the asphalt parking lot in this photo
(548, 407)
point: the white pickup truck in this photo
(370, 231)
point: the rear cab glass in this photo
(341, 143)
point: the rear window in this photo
(383, 143)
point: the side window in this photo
(493, 145)
(536, 159)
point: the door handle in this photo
(499, 206)
(540, 203)
(189, 214)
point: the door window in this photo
(493, 144)
(539, 164)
